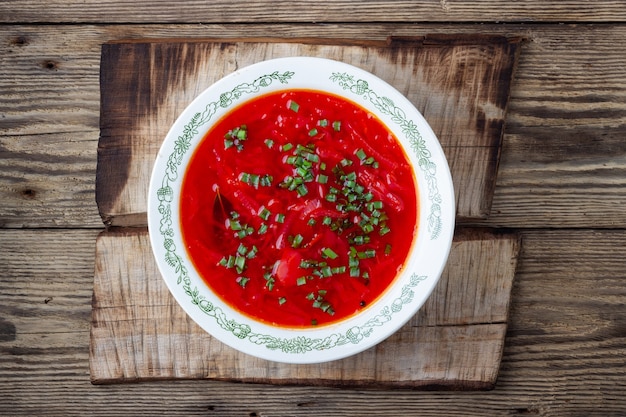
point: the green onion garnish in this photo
(296, 241)
(264, 213)
(329, 253)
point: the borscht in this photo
(299, 208)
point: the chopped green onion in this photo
(387, 249)
(305, 264)
(254, 180)
(339, 269)
(293, 105)
(337, 125)
(312, 157)
(280, 218)
(235, 137)
(242, 281)
(370, 253)
(240, 263)
(320, 302)
(313, 132)
(286, 147)
(264, 213)
(282, 300)
(367, 228)
(269, 280)
(262, 229)
(301, 281)
(329, 253)
(376, 205)
(269, 143)
(266, 180)
(361, 239)
(234, 224)
(361, 154)
(302, 190)
(327, 308)
(296, 241)
(326, 271)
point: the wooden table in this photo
(560, 185)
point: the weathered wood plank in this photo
(44, 304)
(565, 120)
(139, 332)
(48, 180)
(563, 353)
(15, 11)
(460, 84)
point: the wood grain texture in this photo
(459, 83)
(561, 181)
(562, 161)
(47, 179)
(139, 332)
(61, 11)
(563, 353)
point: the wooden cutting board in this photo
(138, 332)
(460, 85)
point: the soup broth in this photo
(299, 208)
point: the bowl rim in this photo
(399, 302)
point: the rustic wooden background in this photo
(461, 84)
(561, 184)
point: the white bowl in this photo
(422, 268)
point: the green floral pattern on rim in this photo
(165, 196)
(410, 130)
